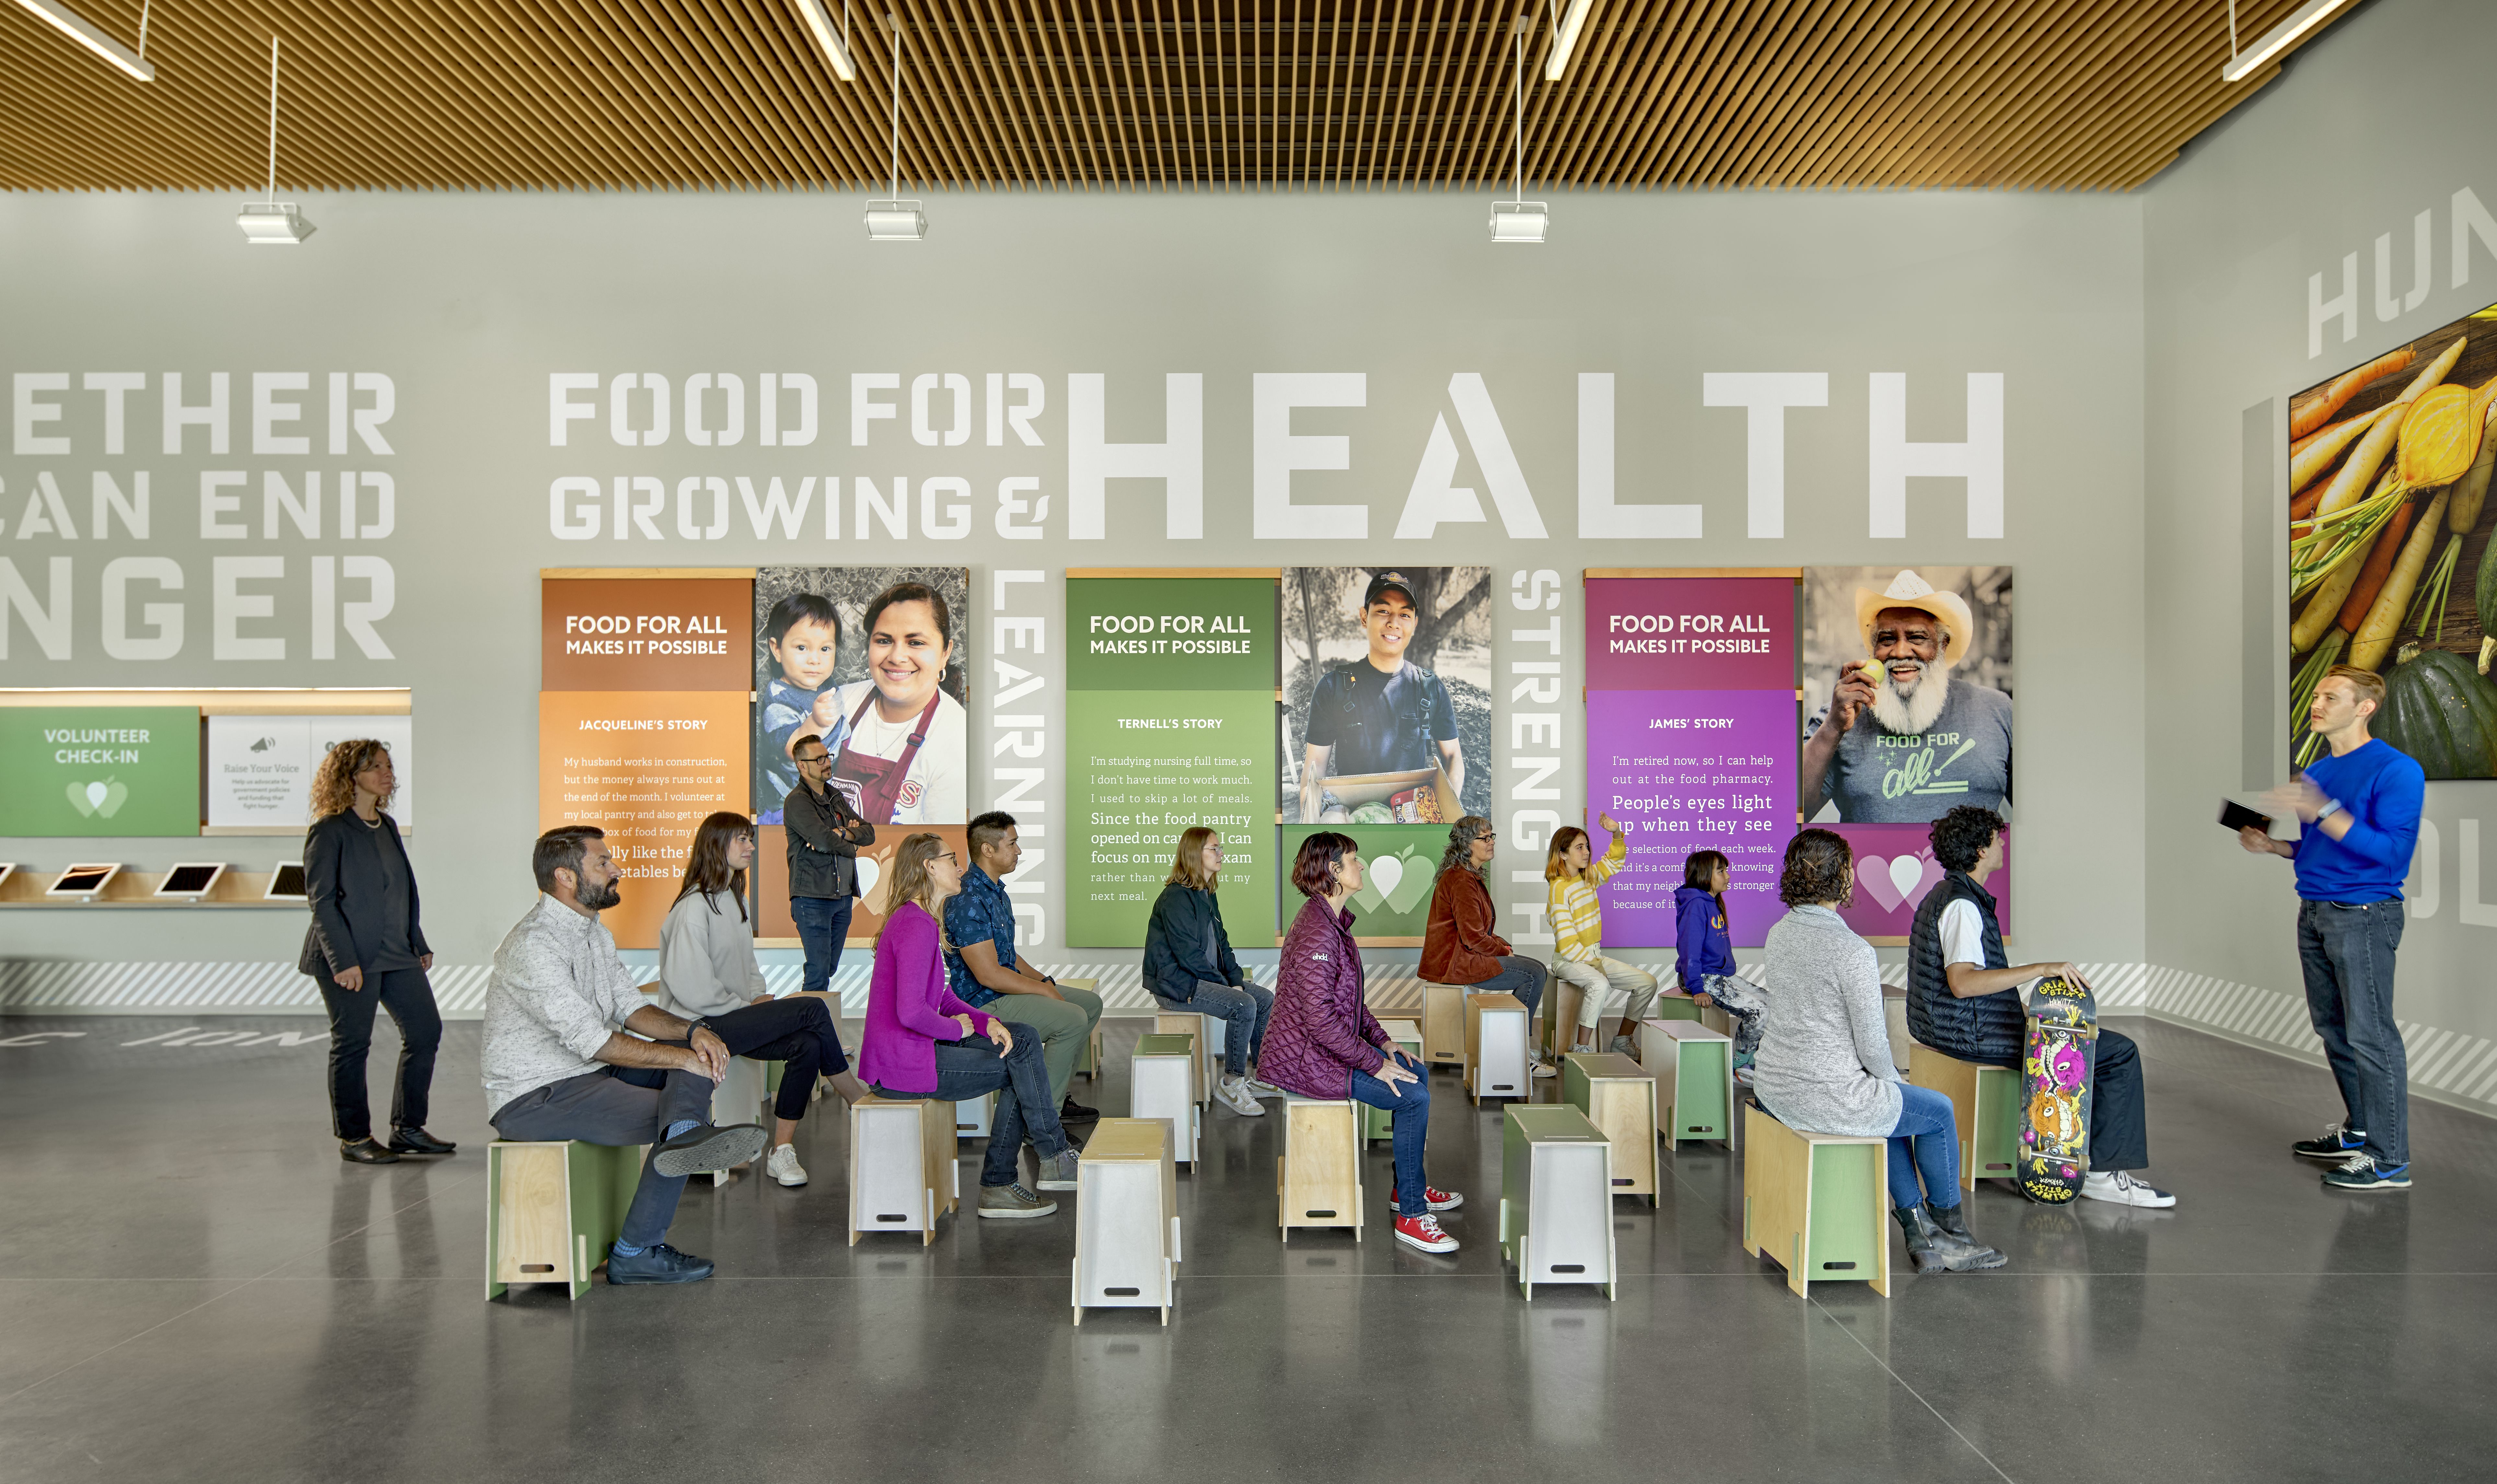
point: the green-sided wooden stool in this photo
(552, 1210)
(1694, 1067)
(1378, 1123)
(1555, 1197)
(1985, 1102)
(1817, 1204)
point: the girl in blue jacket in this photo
(1704, 952)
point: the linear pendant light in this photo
(834, 44)
(1520, 220)
(2306, 18)
(1565, 25)
(273, 222)
(85, 33)
(894, 219)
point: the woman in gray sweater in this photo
(708, 975)
(1824, 1062)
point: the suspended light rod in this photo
(2242, 64)
(85, 33)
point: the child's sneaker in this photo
(2339, 1142)
(1433, 1197)
(1423, 1231)
(2361, 1172)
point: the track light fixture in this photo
(2306, 18)
(85, 33)
(894, 219)
(1520, 220)
(835, 44)
(273, 222)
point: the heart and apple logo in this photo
(103, 798)
(1398, 882)
(1901, 881)
(869, 873)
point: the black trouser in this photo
(2119, 1128)
(409, 998)
(798, 1030)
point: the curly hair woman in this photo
(367, 949)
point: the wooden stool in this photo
(1126, 1218)
(902, 1173)
(1694, 1071)
(1561, 1002)
(1985, 1102)
(1677, 1005)
(1160, 1085)
(1378, 1123)
(1619, 1097)
(1443, 1024)
(1317, 1177)
(740, 1099)
(1495, 1061)
(1088, 1056)
(1818, 1204)
(553, 1209)
(1189, 1024)
(971, 1121)
(1555, 1197)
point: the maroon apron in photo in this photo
(873, 784)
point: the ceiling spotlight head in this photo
(894, 221)
(1519, 221)
(273, 224)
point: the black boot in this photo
(1956, 1250)
(1919, 1233)
(1952, 1220)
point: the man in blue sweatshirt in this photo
(2359, 813)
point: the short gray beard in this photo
(1912, 715)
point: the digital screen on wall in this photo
(2390, 565)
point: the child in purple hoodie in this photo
(1704, 952)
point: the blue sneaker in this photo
(2339, 1142)
(2360, 1172)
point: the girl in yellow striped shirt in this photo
(1577, 916)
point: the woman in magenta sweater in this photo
(923, 1042)
(1323, 1043)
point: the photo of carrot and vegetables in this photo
(2391, 568)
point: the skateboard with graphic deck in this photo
(2055, 1091)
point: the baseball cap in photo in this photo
(1384, 581)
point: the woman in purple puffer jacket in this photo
(1323, 1043)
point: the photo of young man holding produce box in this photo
(1909, 730)
(1381, 719)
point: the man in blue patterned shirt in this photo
(986, 971)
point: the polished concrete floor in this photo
(192, 1286)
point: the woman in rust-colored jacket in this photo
(1323, 1042)
(1458, 945)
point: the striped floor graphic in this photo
(2449, 1065)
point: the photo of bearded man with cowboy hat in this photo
(1909, 731)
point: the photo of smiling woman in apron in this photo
(903, 760)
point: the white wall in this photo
(2380, 118)
(470, 301)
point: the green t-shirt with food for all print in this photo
(1881, 776)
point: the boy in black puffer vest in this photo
(1964, 1001)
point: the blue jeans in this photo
(1926, 1143)
(2346, 952)
(971, 1069)
(1520, 976)
(1411, 1108)
(823, 925)
(1243, 1010)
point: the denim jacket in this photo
(980, 913)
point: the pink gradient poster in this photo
(1691, 742)
(1894, 869)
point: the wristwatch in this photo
(2331, 807)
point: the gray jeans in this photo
(2345, 950)
(617, 1105)
(1243, 1010)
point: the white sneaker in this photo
(1263, 1090)
(2119, 1186)
(783, 1166)
(1546, 1069)
(1233, 1093)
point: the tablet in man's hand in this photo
(2235, 816)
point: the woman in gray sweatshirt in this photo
(709, 975)
(1824, 1062)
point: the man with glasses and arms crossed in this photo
(825, 835)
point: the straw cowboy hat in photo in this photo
(1908, 591)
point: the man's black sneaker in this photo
(661, 1264)
(2337, 1144)
(2361, 1172)
(416, 1141)
(1073, 1112)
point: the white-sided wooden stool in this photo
(1694, 1067)
(1127, 1219)
(1317, 1177)
(1189, 1024)
(1555, 1197)
(972, 1119)
(1443, 1024)
(552, 1209)
(902, 1169)
(1161, 1084)
(1497, 1062)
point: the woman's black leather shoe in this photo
(416, 1141)
(365, 1152)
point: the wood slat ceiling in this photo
(1225, 94)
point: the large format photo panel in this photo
(2390, 564)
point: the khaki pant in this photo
(1595, 979)
(1063, 1025)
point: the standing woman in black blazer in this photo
(368, 949)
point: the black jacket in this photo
(342, 888)
(824, 836)
(1175, 961)
(1983, 1028)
